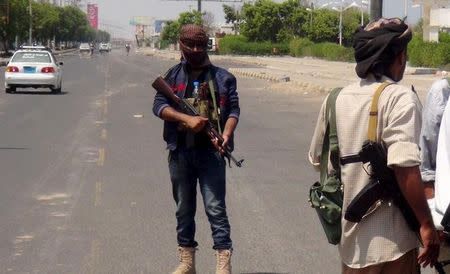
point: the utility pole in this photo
(376, 9)
(31, 25)
(199, 6)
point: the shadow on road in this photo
(265, 273)
(39, 93)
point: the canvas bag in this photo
(326, 195)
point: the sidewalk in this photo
(292, 74)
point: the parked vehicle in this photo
(34, 67)
(84, 48)
(104, 47)
(212, 45)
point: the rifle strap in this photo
(373, 114)
(330, 145)
(212, 89)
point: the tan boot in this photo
(223, 257)
(187, 261)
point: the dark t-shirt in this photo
(188, 138)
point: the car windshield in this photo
(31, 57)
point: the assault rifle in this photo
(162, 87)
(383, 185)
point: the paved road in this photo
(85, 186)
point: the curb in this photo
(421, 71)
(302, 85)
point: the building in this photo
(436, 16)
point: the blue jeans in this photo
(186, 166)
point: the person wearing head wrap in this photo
(193, 43)
(377, 46)
(382, 241)
(192, 156)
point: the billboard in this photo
(141, 20)
(159, 25)
(92, 13)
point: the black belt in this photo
(350, 159)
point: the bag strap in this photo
(373, 114)
(330, 138)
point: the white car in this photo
(33, 67)
(104, 47)
(84, 48)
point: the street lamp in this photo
(30, 35)
(311, 11)
(341, 9)
(363, 3)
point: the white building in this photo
(435, 15)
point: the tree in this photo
(325, 27)
(294, 19)
(193, 17)
(261, 21)
(171, 30)
(45, 21)
(351, 22)
(17, 23)
(208, 22)
(233, 16)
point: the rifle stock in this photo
(382, 175)
(161, 86)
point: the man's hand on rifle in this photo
(195, 123)
(219, 146)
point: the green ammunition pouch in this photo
(326, 196)
(206, 105)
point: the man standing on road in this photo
(192, 156)
(431, 120)
(382, 241)
(436, 129)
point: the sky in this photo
(114, 15)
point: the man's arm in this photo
(410, 183)
(230, 126)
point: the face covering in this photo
(193, 43)
(196, 58)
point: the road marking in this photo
(98, 191)
(101, 157)
(103, 134)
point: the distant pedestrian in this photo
(382, 241)
(192, 156)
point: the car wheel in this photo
(7, 90)
(58, 90)
(10, 90)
